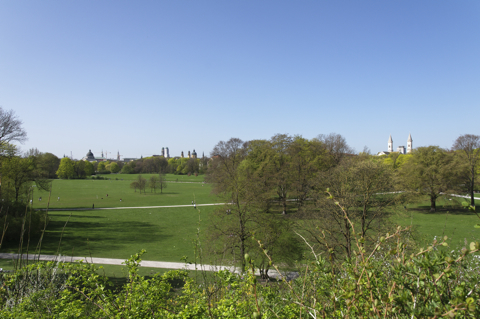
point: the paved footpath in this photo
(143, 263)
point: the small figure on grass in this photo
(93, 206)
(58, 199)
(120, 199)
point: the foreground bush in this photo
(386, 283)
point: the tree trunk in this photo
(433, 206)
(348, 239)
(242, 253)
(472, 185)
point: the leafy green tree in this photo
(395, 159)
(402, 159)
(181, 165)
(79, 167)
(162, 182)
(429, 172)
(246, 211)
(228, 182)
(336, 145)
(128, 168)
(191, 166)
(307, 159)
(8, 150)
(391, 159)
(361, 188)
(89, 168)
(153, 183)
(172, 165)
(66, 169)
(134, 185)
(114, 168)
(142, 183)
(467, 148)
(48, 163)
(17, 175)
(154, 164)
(101, 167)
(270, 161)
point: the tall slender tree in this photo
(232, 222)
(468, 149)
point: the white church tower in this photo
(409, 144)
(390, 144)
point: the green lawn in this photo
(85, 193)
(166, 234)
(452, 221)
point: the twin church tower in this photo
(401, 149)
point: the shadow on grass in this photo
(425, 209)
(76, 216)
(80, 238)
(160, 194)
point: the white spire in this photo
(390, 144)
(409, 144)
(390, 139)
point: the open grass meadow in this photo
(450, 220)
(167, 233)
(88, 192)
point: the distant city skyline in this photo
(134, 77)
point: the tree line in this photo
(287, 188)
(159, 164)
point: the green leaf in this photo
(477, 226)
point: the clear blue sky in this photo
(136, 76)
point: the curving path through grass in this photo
(144, 263)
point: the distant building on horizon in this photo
(165, 153)
(91, 158)
(400, 149)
